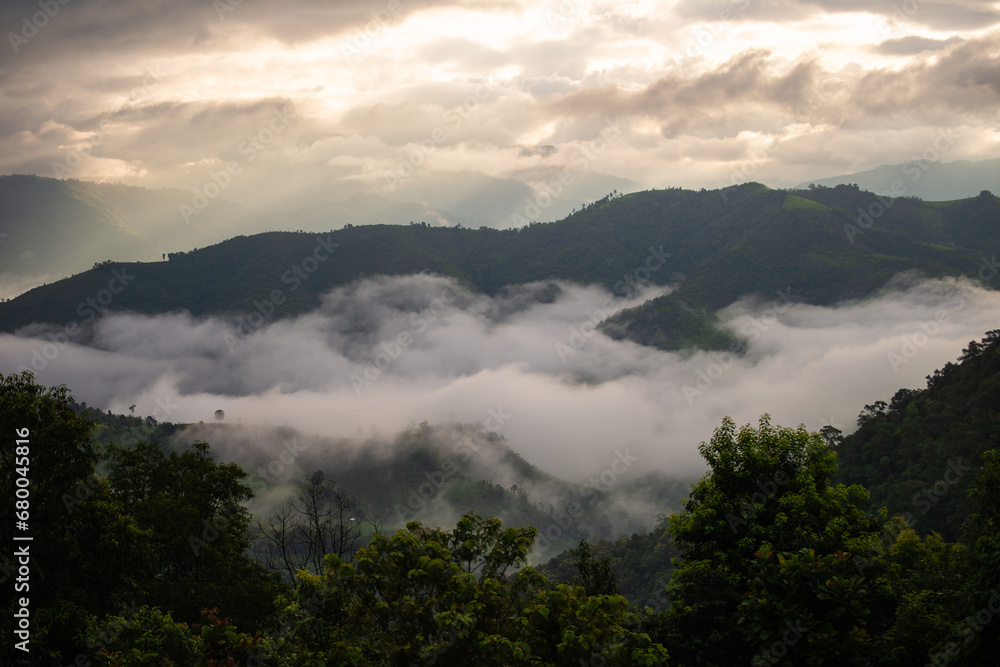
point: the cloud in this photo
(913, 44)
(757, 83)
(750, 92)
(937, 15)
(383, 353)
(94, 25)
(698, 89)
(962, 84)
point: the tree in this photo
(917, 595)
(805, 609)
(165, 530)
(768, 487)
(832, 435)
(219, 415)
(593, 574)
(916, 458)
(141, 637)
(47, 456)
(983, 589)
(428, 596)
(321, 518)
(193, 508)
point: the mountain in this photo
(530, 195)
(641, 563)
(361, 209)
(467, 198)
(926, 179)
(920, 453)
(817, 246)
(52, 228)
(429, 473)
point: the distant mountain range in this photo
(929, 180)
(818, 246)
(51, 229)
(55, 228)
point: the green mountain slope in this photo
(919, 454)
(641, 564)
(721, 245)
(817, 252)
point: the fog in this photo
(384, 354)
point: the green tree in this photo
(805, 609)
(593, 573)
(200, 531)
(56, 457)
(144, 637)
(426, 596)
(983, 590)
(917, 585)
(769, 487)
(167, 531)
(83, 542)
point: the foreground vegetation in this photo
(141, 557)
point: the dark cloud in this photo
(120, 27)
(945, 16)
(962, 83)
(759, 92)
(178, 88)
(912, 45)
(543, 151)
(750, 79)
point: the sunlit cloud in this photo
(165, 79)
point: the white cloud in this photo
(570, 408)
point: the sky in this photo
(291, 104)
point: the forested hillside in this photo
(924, 179)
(918, 453)
(772, 559)
(810, 246)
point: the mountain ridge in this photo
(928, 179)
(818, 246)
